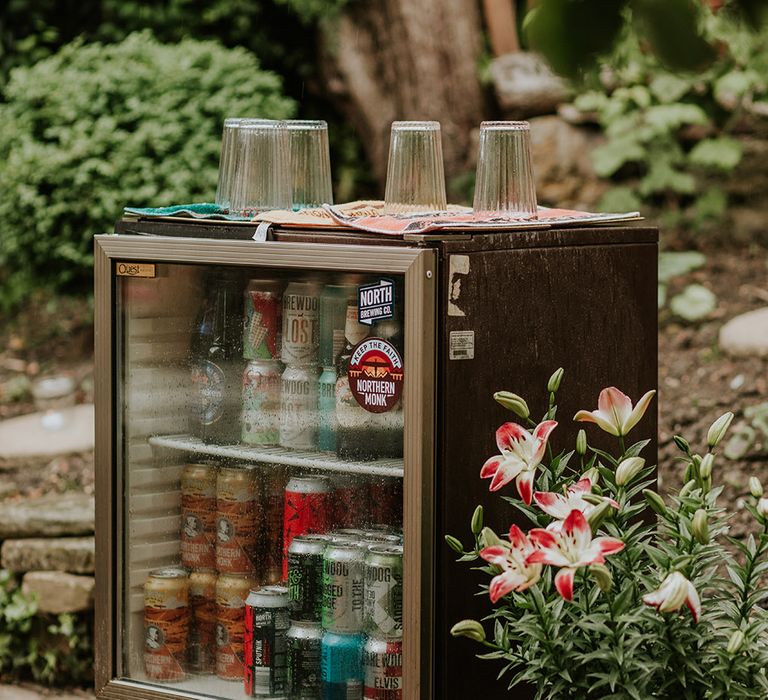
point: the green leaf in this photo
(669, 117)
(722, 153)
(674, 264)
(619, 199)
(694, 303)
(610, 156)
(668, 88)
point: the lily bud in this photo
(628, 469)
(477, 520)
(655, 501)
(762, 507)
(705, 469)
(690, 471)
(735, 642)
(677, 592)
(687, 488)
(602, 576)
(592, 498)
(488, 538)
(682, 444)
(581, 443)
(454, 544)
(718, 429)
(592, 474)
(513, 402)
(700, 527)
(596, 516)
(755, 487)
(554, 381)
(469, 628)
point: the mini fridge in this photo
(287, 428)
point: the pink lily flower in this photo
(521, 453)
(516, 574)
(559, 506)
(570, 548)
(615, 414)
(672, 593)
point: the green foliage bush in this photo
(54, 650)
(97, 127)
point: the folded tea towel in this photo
(202, 210)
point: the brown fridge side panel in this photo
(589, 309)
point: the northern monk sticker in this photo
(376, 302)
(376, 375)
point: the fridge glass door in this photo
(260, 443)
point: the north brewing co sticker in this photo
(376, 302)
(375, 375)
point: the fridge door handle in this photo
(263, 231)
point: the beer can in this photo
(305, 510)
(202, 633)
(198, 516)
(231, 594)
(238, 520)
(263, 316)
(301, 315)
(333, 308)
(383, 669)
(166, 624)
(383, 606)
(298, 407)
(326, 410)
(266, 629)
(273, 488)
(382, 537)
(341, 666)
(385, 495)
(305, 576)
(350, 501)
(260, 418)
(304, 660)
(343, 584)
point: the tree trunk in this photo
(387, 60)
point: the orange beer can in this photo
(239, 519)
(166, 624)
(202, 633)
(231, 593)
(198, 516)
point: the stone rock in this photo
(73, 554)
(28, 436)
(48, 516)
(746, 334)
(526, 86)
(562, 163)
(59, 592)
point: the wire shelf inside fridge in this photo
(279, 455)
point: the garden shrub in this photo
(97, 127)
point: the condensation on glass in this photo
(261, 431)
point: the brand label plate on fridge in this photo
(133, 269)
(461, 345)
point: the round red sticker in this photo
(376, 375)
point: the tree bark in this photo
(387, 60)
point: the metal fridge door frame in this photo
(418, 265)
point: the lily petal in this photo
(638, 411)
(503, 584)
(495, 555)
(608, 545)
(509, 434)
(552, 504)
(615, 405)
(490, 467)
(524, 484)
(693, 602)
(517, 537)
(564, 583)
(598, 417)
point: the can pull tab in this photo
(262, 232)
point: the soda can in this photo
(166, 624)
(298, 407)
(385, 495)
(326, 410)
(383, 669)
(273, 489)
(231, 594)
(305, 576)
(202, 633)
(198, 516)
(301, 315)
(333, 309)
(266, 629)
(260, 418)
(263, 320)
(383, 606)
(350, 501)
(304, 660)
(343, 584)
(238, 520)
(305, 510)
(341, 666)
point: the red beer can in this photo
(305, 510)
(263, 312)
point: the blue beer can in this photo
(326, 405)
(341, 666)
